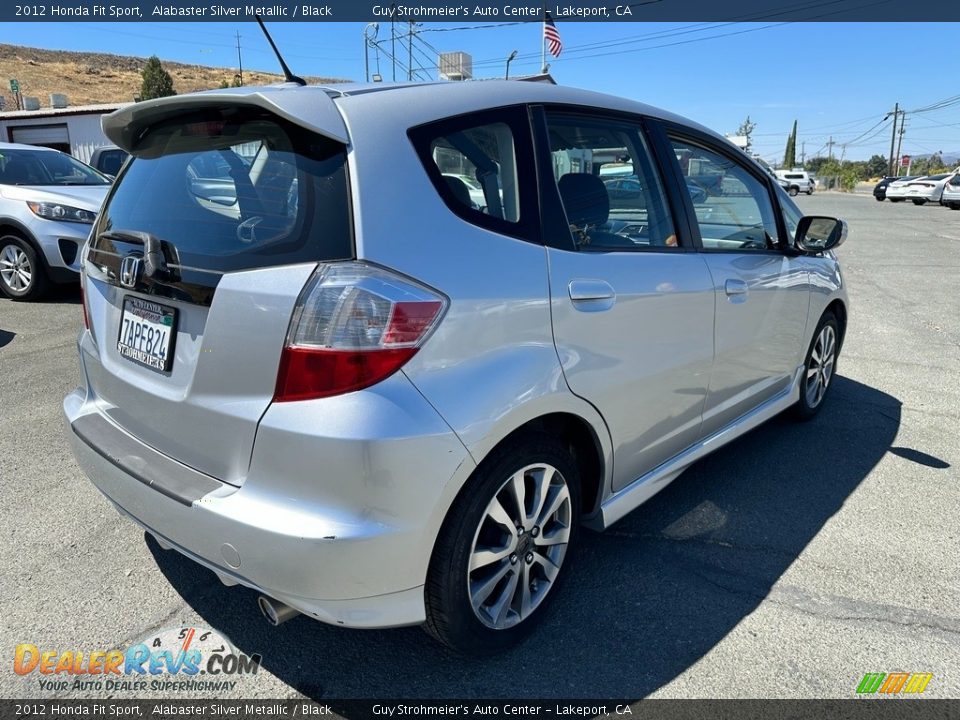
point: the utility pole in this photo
(830, 148)
(410, 50)
(893, 136)
(239, 57)
(903, 125)
(803, 154)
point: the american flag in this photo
(552, 37)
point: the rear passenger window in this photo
(481, 165)
(611, 193)
(737, 213)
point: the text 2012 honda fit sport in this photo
(315, 364)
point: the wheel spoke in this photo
(497, 513)
(518, 489)
(550, 569)
(481, 557)
(560, 536)
(526, 601)
(542, 483)
(559, 495)
(485, 587)
(501, 608)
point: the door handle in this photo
(735, 287)
(591, 294)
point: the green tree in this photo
(876, 166)
(746, 129)
(815, 164)
(156, 81)
(224, 84)
(790, 154)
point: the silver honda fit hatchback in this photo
(378, 352)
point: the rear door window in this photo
(629, 212)
(231, 191)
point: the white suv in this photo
(48, 201)
(798, 181)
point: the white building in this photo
(75, 130)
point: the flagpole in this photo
(543, 40)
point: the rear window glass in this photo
(482, 167)
(477, 164)
(233, 191)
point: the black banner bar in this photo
(454, 11)
(854, 709)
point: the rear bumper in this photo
(338, 522)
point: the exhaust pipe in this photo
(275, 611)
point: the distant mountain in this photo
(87, 78)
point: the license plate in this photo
(146, 333)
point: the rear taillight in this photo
(354, 325)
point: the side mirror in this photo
(816, 233)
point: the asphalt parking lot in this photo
(787, 564)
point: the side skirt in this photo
(646, 486)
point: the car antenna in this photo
(288, 76)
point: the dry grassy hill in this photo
(100, 77)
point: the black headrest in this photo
(585, 199)
(459, 189)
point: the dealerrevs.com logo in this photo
(183, 659)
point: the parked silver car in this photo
(325, 374)
(48, 201)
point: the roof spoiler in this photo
(311, 108)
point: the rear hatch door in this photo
(196, 262)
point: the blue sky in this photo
(835, 79)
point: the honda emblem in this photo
(130, 271)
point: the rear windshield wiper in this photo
(154, 260)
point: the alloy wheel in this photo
(820, 367)
(15, 268)
(519, 546)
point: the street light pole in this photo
(367, 38)
(509, 60)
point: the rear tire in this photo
(819, 367)
(895, 200)
(919, 201)
(518, 554)
(954, 206)
(22, 275)
(879, 199)
(793, 191)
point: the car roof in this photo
(23, 146)
(393, 104)
(443, 98)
